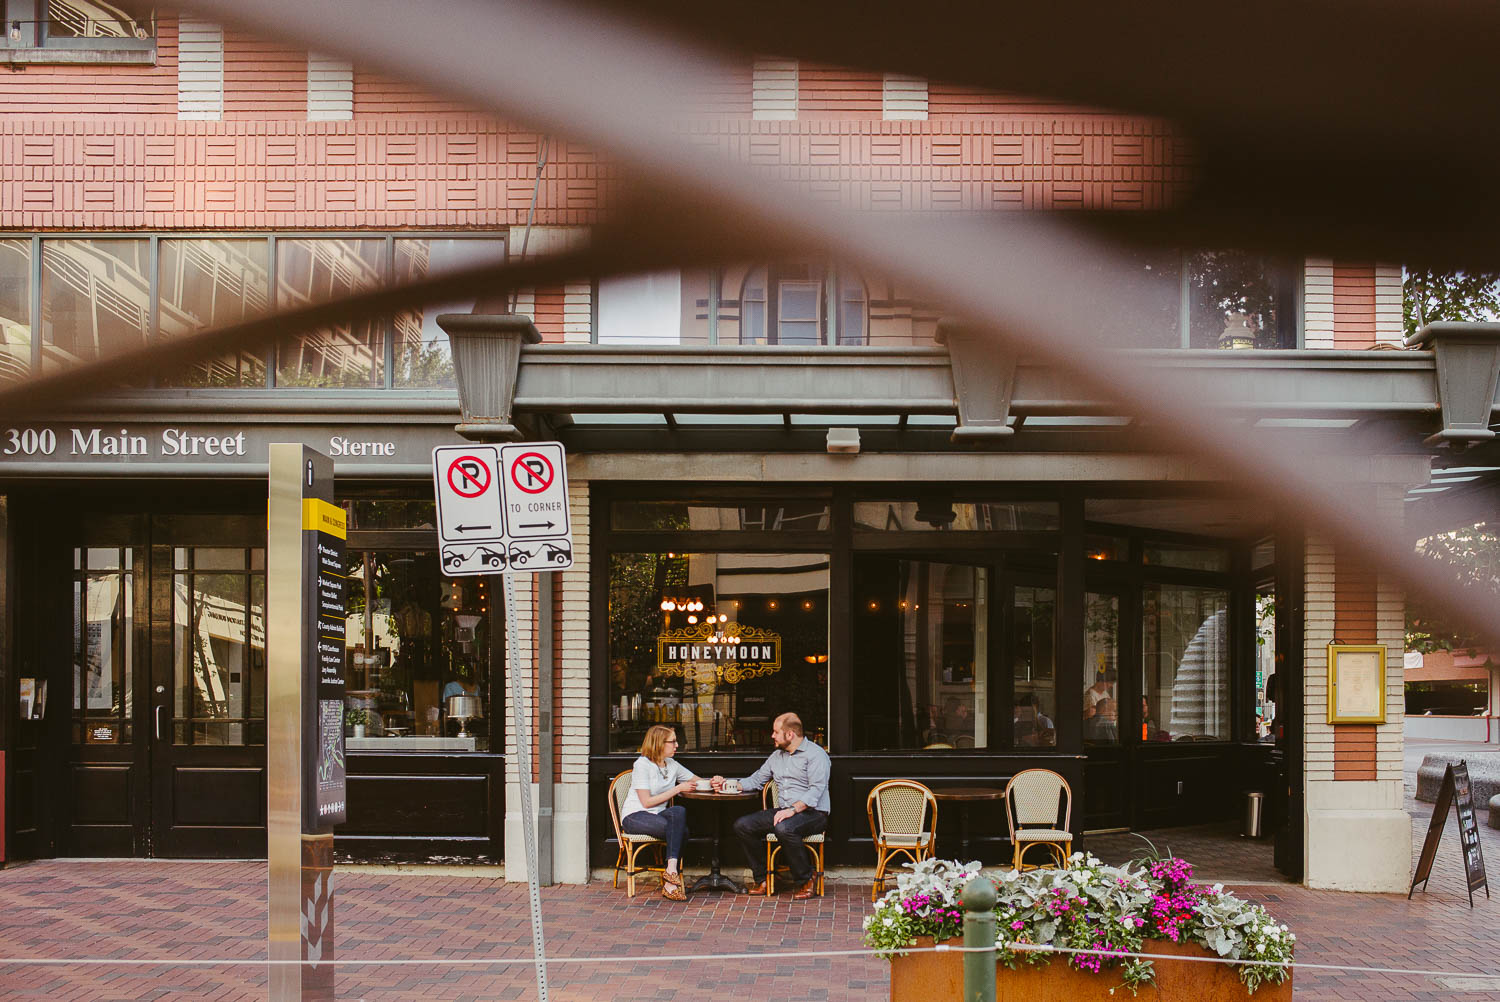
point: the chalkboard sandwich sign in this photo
(1455, 791)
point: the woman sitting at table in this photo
(655, 779)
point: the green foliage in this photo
(1471, 556)
(1429, 296)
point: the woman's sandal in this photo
(672, 890)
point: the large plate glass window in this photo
(417, 647)
(96, 299)
(1185, 673)
(423, 356)
(350, 353)
(1101, 669)
(206, 283)
(922, 655)
(945, 515)
(717, 645)
(15, 309)
(219, 645)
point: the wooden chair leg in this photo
(879, 884)
(630, 872)
(771, 848)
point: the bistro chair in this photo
(631, 846)
(814, 843)
(1031, 812)
(898, 810)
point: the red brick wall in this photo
(547, 313)
(825, 92)
(379, 96)
(69, 92)
(1353, 306)
(1355, 595)
(263, 79)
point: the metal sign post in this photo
(305, 794)
(504, 509)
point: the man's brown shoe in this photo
(807, 890)
(759, 890)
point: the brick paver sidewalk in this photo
(148, 909)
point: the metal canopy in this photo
(882, 386)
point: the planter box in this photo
(939, 977)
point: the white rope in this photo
(772, 955)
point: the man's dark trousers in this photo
(752, 830)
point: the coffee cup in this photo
(703, 785)
(731, 786)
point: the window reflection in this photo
(1033, 668)
(80, 19)
(103, 628)
(15, 309)
(922, 646)
(351, 353)
(96, 299)
(702, 516)
(219, 647)
(211, 283)
(1185, 674)
(963, 516)
(1101, 650)
(423, 356)
(717, 645)
(417, 645)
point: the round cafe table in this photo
(961, 797)
(714, 880)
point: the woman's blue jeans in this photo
(670, 826)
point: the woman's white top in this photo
(655, 780)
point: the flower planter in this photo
(939, 977)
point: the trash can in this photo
(1254, 803)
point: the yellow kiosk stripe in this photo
(318, 515)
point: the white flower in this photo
(1283, 928)
(1260, 948)
(890, 921)
(1217, 888)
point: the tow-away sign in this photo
(502, 508)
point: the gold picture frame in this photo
(1356, 683)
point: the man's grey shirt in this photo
(799, 775)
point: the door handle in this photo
(157, 714)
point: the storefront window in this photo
(391, 513)
(703, 516)
(418, 655)
(205, 283)
(422, 354)
(1185, 675)
(717, 645)
(96, 299)
(219, 645)
(956, 516)
(922, 651)
(313, 271)
(1033, 668)
(15, 309)
(103, 668)
(1101, 669)
(1185, 557)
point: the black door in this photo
(1108, 712)
(208, 687)
(166, 696)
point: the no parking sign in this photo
(502, 508)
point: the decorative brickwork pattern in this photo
(825, 92)
(773, 89)
(200, 71)
(330, 89)
(1317, 303)
(262, 79)
(1353, 305)
(903, 98)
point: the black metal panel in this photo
(214, 795)
(101, 794)
(418, 805)
(1106, 779)
(1185, 786)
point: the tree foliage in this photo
(1429, 296)
(1472, 556)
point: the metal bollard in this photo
(979, 930)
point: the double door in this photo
(162, 682)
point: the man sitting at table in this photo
(800, 770)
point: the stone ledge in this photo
(1484, 775)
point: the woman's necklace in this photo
(663, 768)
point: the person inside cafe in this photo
(655, 779)
(1100, 712)
(1032, 727)
(800, 770)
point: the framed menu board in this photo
(1356, 684)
